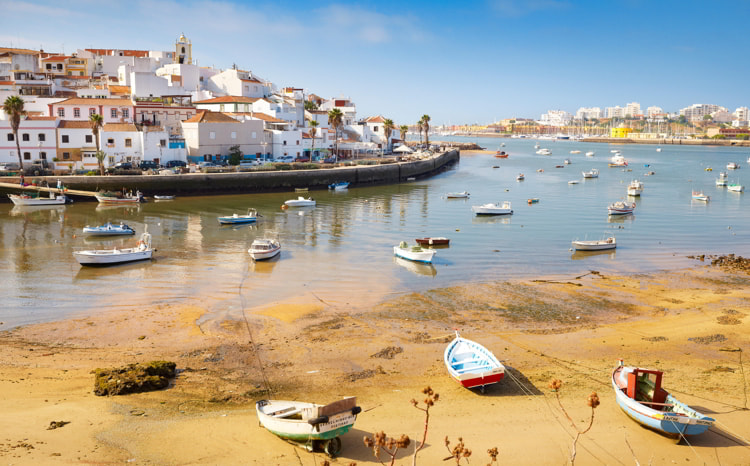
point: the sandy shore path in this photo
(692, 324)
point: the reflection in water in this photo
(628, 218)
(264, 266)
(418, 268)
(578, 255)
(129, 208)
(39, 210)
(127, 270)
(487, 219)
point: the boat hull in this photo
(594, 245)
(236, 220)
(111, 256)
(108, 231)
(433, 241)
(108, 200)
(263, 255)
(424, 255)
(471, 364)
(299, 429)
(22, 200)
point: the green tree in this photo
(388, 130)
(419, 130)
(426, 128)
(310, 105)
(403, 129)
(13, 108)
(313, 130)
(96, 122)
(235, 155)
(335, 119)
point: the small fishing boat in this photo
(119, 198)
(300, 202)
(520, 177)
(108, 230)
(733, 166)
(310, 423)
(735, 187)
(141, 251)
(27, 199)
(573, 182)
(620, 208)
(533, 200)
(501, 154)
(635, 188)
(590, 153)
(341, 185)
(596, 245)
(471, 364)
(575, 152)
(433, 241)
(700, 196)
(721, 181)
(414, 253)
(251, 216)
(163, 197)
(658, 149)
(618, 160)
(493, 209)
(264, 248)
(544, 152)
(461, 195)
(640, 394)
(708, 169)
(593, 173)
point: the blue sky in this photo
(477, 62)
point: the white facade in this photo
(615, 112)
(556, 118)
(238, 83)
(187, 77)
(696, 112)
(654, 111)
(279, 108)
(121, 143)
(155, 143)
(588, 113)
(722, 116)
(742, 113)
(633, 109)
(111, 110)
(11, 62)
(36, 138)
(347, 107)
(285, 143)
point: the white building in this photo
(76, 109)
(615, 112)
(76, 144)
(347, 107)
(122, 142)
(36, 137)
(237, 83)
(556, 118)
(590, 113)
(696, 112)
(210, 135)
(654, 111)
(742, 113)
(633, 109)
(722, 116)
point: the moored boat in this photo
(590, 153)
(433, 241)
(414, 253)
(163, 197)
(461, 195)
(733, 166)
(300, 202)
(264, 248)
(251, 216)
(493, 209)
(701, 196)
(108, 230)
(141, 251)
(593, 173)
(621, 208)
(595, 245)
(735, 187)
(618, 160)
(341, 185)
(635, 188)
(119, 198)
(544, 152)
(27, 199)
(520, 177)
(471, 364)
(533, 200)
(501, 154)
(641, 396)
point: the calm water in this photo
(345, 243)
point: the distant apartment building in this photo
(77, 109)
(722, 116)
(347, 107)
(615, 112)
(590, 113)
(633, 110)
(556, 118)
(238, 83)
(654, 111)
(696, 112)
(742, 113)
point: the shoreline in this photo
(571, 328)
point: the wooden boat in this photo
(640, 394)
(310, 423)
(433, 241)
(520, 177)
(620, 208)
(635, 188)
(141, 251)
(27, 199)
(120, 199)
(596, 245)
(339, 186)
(471, 364)
(163, 197)
(701, 196)
(533, 200)
(461, 195)
(414, 253)
(493, 209)
(108, 230)
(251, 216)
(501, 154)
(264, 248)
(735, 187)
(300, 202)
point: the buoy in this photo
(284, 206)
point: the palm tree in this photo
(13, 107)
(403, 129)
(335, 119)
(388, 129)
(426, 128)
(419, 130)
(313, 129)
(96, 121)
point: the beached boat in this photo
(593, 173)
(300, 202)
(590, 153)
(621, 208)
(461, 195)
(544, 152)
(119, 198)
(595, 245)
(141, 251)
(471, 364)
(635, 188)
(733, 166)
(735, 187)
(309, 423)
(414, 253)
(493, 209)
(640, 394)
(341, 185)
(433, 241)
(701, 196)
(264, 248)
(501, 154)
(251, 216)
(108, 230)
(27, 199)
(163, 197)
(520, 177)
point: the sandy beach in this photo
(693, 324)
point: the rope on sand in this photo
(264, 378)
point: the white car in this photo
(285, 158)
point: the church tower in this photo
(183, 51)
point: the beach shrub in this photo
(133, 378)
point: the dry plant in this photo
(592, 401)
(457, 452)
(388, 445)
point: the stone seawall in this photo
(259, 181)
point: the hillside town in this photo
(159, 108)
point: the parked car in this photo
(149, 165)
(123, 165)
(207, 164)
(249, 163)
(329, 160)
(285, 158)
(175, 163)
(302, 159)
(9, 166)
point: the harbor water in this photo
(343, 247)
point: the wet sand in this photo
(688, 323)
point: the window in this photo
(128, 142)
(27, 155)
(113, 113)
(76, 112)
(43, 155)
(41, 137)
(61, 112)
(25, 137)
(298, 142)
(66, 155)
(211, 135)
(65, 138)
(110, 142)
(374, 129)
(126, 113)
(254, 135)
(234, 135)
(92, 110)
(89, 139)
(162, 143)
(10, 137)
(285, 143)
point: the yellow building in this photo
(620, 132)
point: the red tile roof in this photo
(56, 58)
(205, 116)
(68, 124)
(375, 119)
(125, 53)
(119, 127)
(268, 118)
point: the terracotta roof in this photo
(19, 51)
(6, 82)
(85, 101)
(119, 90)
(40, 118)
(56, 58)
(375, 119)
(227, 99)
(204, 116)
(68, 124)
(119, 127)
(251, 80)
(306, 135)
(268, 118)
(125, 53)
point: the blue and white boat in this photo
(108, 230)
(640, 394)
(414, 253)
(341, 185)
(250, 217)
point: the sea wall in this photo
(673, 141)
(259, 181)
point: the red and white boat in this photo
(471, 364)
(621, 208)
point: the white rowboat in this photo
(141, 251)
(597, 245)
(414, 253)
(471, 364)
